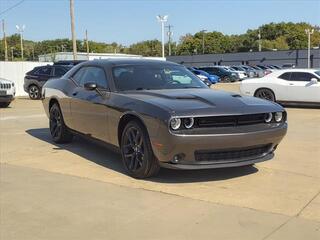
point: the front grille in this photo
(233, 154)
(229, 121)
(5, 85)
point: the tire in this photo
(266, 94)
(4, 104)
(34, 92)
(59, 131)
(137, 155)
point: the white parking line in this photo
(22, 117)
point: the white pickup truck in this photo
(7, 92)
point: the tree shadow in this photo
(109, 157)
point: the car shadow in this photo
(110, 158)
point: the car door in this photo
(301, 89)
(89, 110)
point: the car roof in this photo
(128, 61)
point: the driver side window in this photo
(91, 74)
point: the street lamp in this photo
(203, 32)
(309, 32)
(162, 20)
(21, 30)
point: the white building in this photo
(59, 56)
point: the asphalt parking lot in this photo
(80, 191)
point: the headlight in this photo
(268, 117)
(175, 123)
(278, 116)
(188, 122)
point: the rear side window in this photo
(44, 71)
(59, 71)
(301, 76)
(285, 76)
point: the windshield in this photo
(142, 77)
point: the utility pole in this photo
(203, 48)
(169, 33)
(73, 34)
(309, 32)
(87, 43)
(162, 20)
(12, 53)
(5, 41)
(259, 36)
(21, 30)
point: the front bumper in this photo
(6, 98)
(168, 146)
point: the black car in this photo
(225, 75)
(35, 78)
(160, 114)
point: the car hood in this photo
(186, 102)
(2, 80)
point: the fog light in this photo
(268, 117)
(176, 159)
(188, 122)
(175, 123)
(278, 116)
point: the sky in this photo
(130, 21)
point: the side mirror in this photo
(314, 81)
(90, 86)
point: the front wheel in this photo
(59, 131)
(137, 155)
(266, 94)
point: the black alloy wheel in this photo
(34, 92)
(58, 130)
(136, 150)
(265, 94)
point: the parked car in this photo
(298, 86)
(159, 114)
(222, 73)
(288, 65)
(7, 92)
(241, 74)
(248, 71)
(200, 73)
(257, 72)
(35, 78)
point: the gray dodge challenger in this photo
(159, 114)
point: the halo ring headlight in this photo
(268, 117)
(175, 123)
(278, 116)
(188, 122)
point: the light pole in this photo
(203, 32)
(162, 20)
(309, 32)
(169, 33)
(259, 36)
(21, 30)
(73, 32)
(12, 53)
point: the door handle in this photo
(291, 84)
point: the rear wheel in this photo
(59, 131)
(136, 150)
(266, 94)
(34, 92)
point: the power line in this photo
(12, 7)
